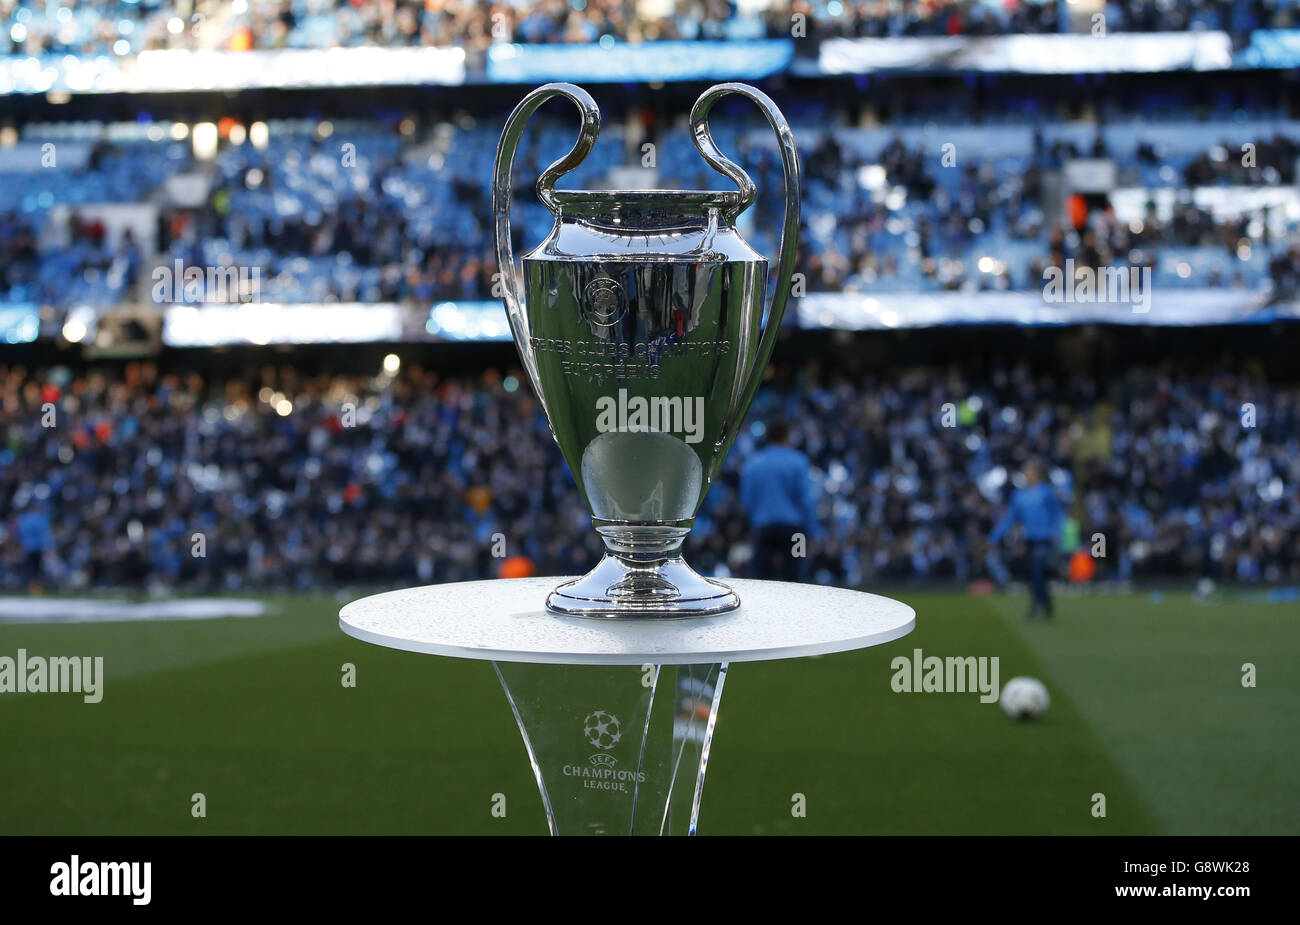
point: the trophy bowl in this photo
(641, 329)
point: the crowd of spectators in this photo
(396, 223)
(923, 226)
(102, 27)
(1271, 161)
(935, 236)
(140, 476)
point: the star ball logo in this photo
(603, 730)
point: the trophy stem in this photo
(616, 750)
(640, 586)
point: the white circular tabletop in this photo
(506, 620)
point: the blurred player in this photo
(776, 492)
(1037, 509)
(36, 537)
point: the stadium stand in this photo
(305, 481)
(370, 212)
(120, 27)
(394, 208)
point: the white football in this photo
(1024, 698)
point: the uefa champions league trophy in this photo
(640, 326)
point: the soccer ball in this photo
(602, 729)
(1024, 698)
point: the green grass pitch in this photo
(1148, 708)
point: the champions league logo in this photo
(603, 730)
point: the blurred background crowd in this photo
(111, 476)
(372, 212)
(130, 26)
(935, 186)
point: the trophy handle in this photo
(789, 224)
(502, 186)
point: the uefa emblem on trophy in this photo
(641, 328)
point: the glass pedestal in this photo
(617, 716)
(617, 750)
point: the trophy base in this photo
(666, 588)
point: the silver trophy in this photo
(641, 328)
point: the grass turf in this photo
(1147, 708)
